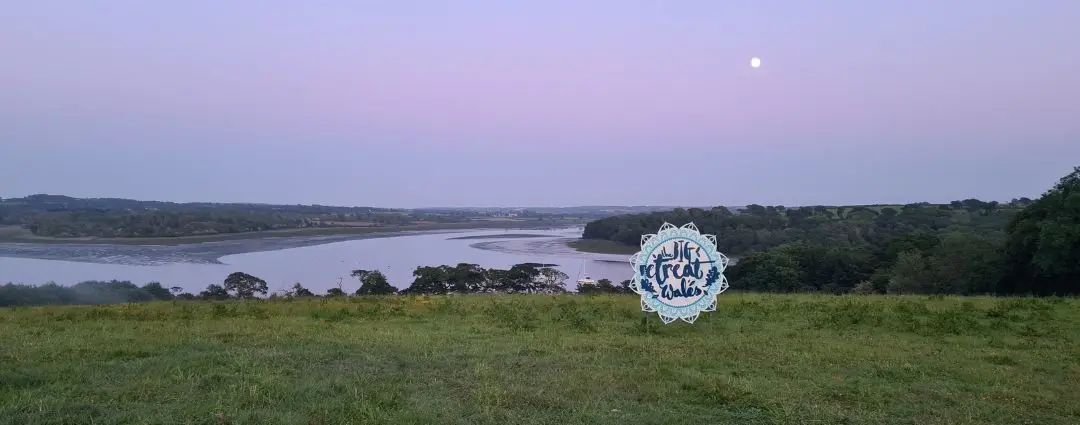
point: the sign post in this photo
(678, 273)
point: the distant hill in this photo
(59, 216)
(46, 202)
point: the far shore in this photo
(11, 234)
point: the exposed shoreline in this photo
(550, 246)
(197, 253)
(502, 236)
(202, 252)
(21, 236)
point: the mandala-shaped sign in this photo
(678, 273)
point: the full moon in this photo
(755, 62)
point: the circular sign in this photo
(678, 273)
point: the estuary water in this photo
(317, 263)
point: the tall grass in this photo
(766, 359)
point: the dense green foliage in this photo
(89, 292)
(966, 247)
(471, 278)
(958, 263)
(62, 216)
(372, 282)
(244, 285)
(1043, 248)
(758, 359)
(758, 228)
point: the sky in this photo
(407, 103)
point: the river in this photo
(317, 264)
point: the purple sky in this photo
(490, 103)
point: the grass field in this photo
(759, 359)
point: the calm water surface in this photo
(319, 267)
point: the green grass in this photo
(602, 246)
(759, 359)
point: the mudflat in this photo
(208, 249)
(17, 234)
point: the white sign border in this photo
(649, 302)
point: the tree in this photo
(521, 278)
(1042, 248)
(468, 278)
(373, 283)
(299, 291)
(966, 263)
(157, 291)
(335, 292)
(245, 285)
(921, 242)
(910, 275)
(773, 271)
(550, 280)
(214, 292)
(428, 281)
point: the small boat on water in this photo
(586, 280)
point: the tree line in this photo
(63, 216)
(463, 278)
(67, 217)
(965, 247)
(88, 292)
(758, 228)
(126, 224)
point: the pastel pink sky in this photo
(422, 103)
